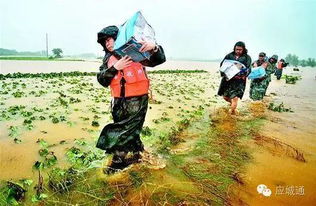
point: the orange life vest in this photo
(136, 81)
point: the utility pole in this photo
(47, 45)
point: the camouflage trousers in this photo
(266, 83)
(257, 89)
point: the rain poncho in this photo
(128, 113)
(235, 87)
(124, 134)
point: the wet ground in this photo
(279, 154)
(75, 102)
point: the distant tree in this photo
(303, 63)
(311, 62)
(57, 52)
(7, 52)
(292, 59)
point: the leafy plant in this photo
(13, 131)
(61, 180)
(80, 142)
(291, 79)
(18, 94)
(26, 182)
(42, 142)
(279, 108)
(146, 131)
(81, 158)
(43, 152)
(13, 193)
(55, 120)
(95, 123)
(40, 197)
(49, 160)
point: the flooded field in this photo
(9, 66)
(197, 153)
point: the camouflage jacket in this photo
(270, 70)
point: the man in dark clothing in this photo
(280, 66)
(234, 88)
(129, 84)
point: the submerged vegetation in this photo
(199, 168)
(291, 79)
(279, 107)
(196, 152)
(77, 73)
(75, 103)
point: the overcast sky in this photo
(196, 29)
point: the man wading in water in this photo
(234, 89)
(129, 86)
(257, 86)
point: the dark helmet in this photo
(110, 31)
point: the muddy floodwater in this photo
(291, 181)
(197, 153)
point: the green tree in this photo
(311, 62)
(57, 52)
(303, 63)
(292, 59)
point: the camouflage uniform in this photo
(269, 70)
(257, 89)
(257, 86)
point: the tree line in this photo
(294, 60)
(57, 53)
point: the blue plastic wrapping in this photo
(257, 72)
